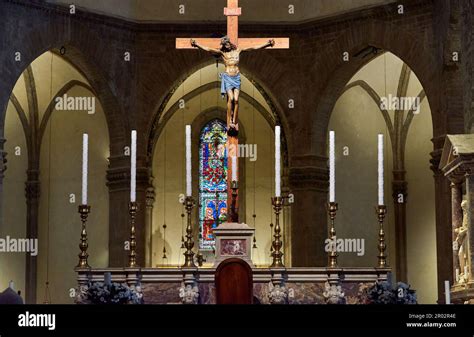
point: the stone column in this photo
(399, 194)
(3, 168)
(150, 200)
(118, 181)
(32, 194)
(456, 219)
(470, 217)
(444, 245)
(309, 183)
(286, 219)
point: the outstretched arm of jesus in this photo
(208, 49)
(270, 43)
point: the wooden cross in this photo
(232, 11)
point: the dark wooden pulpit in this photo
(234, 282)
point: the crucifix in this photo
(229, 48)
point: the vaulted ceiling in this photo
(267, 11)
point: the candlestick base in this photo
(381, 210)
(84, 211)
(189, 243)
(132, 257)
(277, 244)
(332, 254)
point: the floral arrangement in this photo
(384, 293)
(110, 293)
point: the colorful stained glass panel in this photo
(212, 181)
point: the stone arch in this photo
(169, 111)
(277, 112)
(33, 147)
(383, 36)
(196, 92)
(38, 40)
(34, 141)
(49, 110)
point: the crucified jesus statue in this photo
(230, 79)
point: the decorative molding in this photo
(150, 196)
(278, 293)
(438, 144)
(399, 184)
(189, 293)
(333, 294)
(260, 275)
(119, 178)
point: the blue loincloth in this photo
(229, 82)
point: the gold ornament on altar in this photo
(381, 211)
(189, 242)
(332, 256)
(277, 243)
(84, 211)
(132, 257)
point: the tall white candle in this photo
(188, 161)
(234, 168)
(277, 161)
(332, 167)
(447, 293)
(133, 167)
(85, 145)
(380, 168)
(457, 274)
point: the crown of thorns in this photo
(225, 39)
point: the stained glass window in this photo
(212, 181)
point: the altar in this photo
(302, 285)
(191, 283)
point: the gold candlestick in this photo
(381, 210)
(332, 256)
(132, 257)
(189, 243)
(84, 211)
(277, 254)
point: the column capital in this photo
(308, 161)
(399, 184)
(309, 178)
(309, 172)
(150, 196)
(435, 160)
(455, 184)
(438, 144)
(118, 173)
